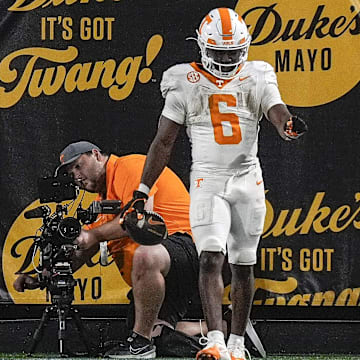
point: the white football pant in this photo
(227, 213)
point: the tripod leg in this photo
(39, 330)
(255, 339)
(81, 329)
(62, 328)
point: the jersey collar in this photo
(220, 83)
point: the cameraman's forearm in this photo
(109, 231)
(81, 256)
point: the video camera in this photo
(57, 188)
(57, 233)
(54, 241)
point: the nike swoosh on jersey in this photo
(259, 182)
(244, 78)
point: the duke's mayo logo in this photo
(312, 45)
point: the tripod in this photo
(61, 306)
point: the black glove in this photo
(137, 203)
(294, 128)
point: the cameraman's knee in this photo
(149, 260)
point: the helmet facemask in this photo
(222, 62)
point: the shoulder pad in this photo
(172, 77)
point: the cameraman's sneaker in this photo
(135, 347)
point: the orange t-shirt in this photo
(170, 199)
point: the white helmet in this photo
(224, 42)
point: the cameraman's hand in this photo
(86, 240)
(24, 281)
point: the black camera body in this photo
(56, 247)
(56, 274)
(55, 243)
(58, 232)
(57, 188)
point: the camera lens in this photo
(69, 228)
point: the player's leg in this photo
(210, 223)
(242, 293)
(247, 221)
(211, 288)
(199, 327)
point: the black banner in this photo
(91, 69)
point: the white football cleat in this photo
(213, 351)
(238, 351)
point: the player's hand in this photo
(25, 281)
(137, 203)
(86, 240)
(294, 128)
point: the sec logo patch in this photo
(193, 76)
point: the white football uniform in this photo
(222, 117)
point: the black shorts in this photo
(181, 282)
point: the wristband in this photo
(144, 188)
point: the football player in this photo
(221, 102)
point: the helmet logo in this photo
(193, 76)
(207, 20)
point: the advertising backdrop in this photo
(90, 70)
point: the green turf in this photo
(271, 357)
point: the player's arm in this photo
(157, 158)
(160, 150)
(172, 117)
(278, 115)
(288, 126)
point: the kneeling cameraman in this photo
(164, 277)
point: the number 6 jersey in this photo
(221, 116)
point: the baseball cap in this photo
(74, 151)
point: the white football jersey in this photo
(221, 116)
